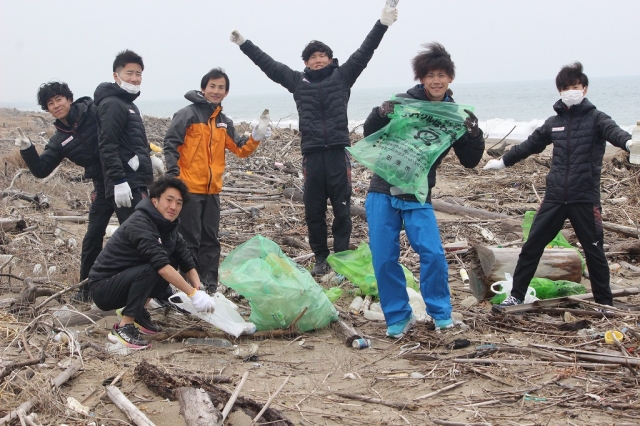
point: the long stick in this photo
(446, 388)
(127, 407)
(227, 408)
(255, 419)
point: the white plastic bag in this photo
(507, 285)
(225, 316)
(418, 306)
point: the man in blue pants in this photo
(388, 207)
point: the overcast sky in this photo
(489, 40)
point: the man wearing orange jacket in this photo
(194, 149)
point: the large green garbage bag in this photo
(558, 241)
(404, 150)
(276, 287)
(357, 266)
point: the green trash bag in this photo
(404, 150)
(548, 289)
(357, 266)
(333, 293)
(558, 241)
(276, 287)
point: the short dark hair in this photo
(51, 90)
(127, 57)
(433, 57)
(165, 182)
(215, 73)
(316, 46)
(571, 74)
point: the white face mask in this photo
(128, 87)
(572, 97)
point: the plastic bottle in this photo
(634, 154)
(464, 276)
(373, 315)
(209, 341)
(354, 307)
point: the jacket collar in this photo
(164, 225)
(198, 99)
(322, 73)
(417, 92)
(582, 107)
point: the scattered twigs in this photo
(392, 404)
(444, 389)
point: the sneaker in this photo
(82, 295)
(145, 325)
(443, 324)
(129, 336)
(398, 329)
(320, 268)
(509, 301)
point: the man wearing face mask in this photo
(124, 150)
(322, 93)
(579, 133)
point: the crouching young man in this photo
(135, 264)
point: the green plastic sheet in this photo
(277, 288)
(403, 151)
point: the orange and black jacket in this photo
(194, 146)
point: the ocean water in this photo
(499, 106)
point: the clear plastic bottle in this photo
(354, 307)
(634, 153)
(209, 341)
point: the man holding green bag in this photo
(389, 208)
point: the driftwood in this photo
(7, 224)
(629, 247)
(392, 404)
(58, 381)
(163, 384)
(555, 264)
(621, 229)
(40, 200)
(196, 407)
(451, 208)
(294, 194)
(346, 332)
(127, 407)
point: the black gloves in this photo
(471, 124)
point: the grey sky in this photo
(489, 40)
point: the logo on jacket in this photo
(132, 111)
(160, 240)
(305, 80)
(221, 125)
(557, 129)
(67, 140)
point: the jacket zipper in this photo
(324, 121)
(566, 178)
(209, 153)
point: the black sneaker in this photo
(83, 296)
(320, 268)
(509, 301)
(129, 336)
(145, 325)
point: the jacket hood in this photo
(198, 99)
(322, 73)
(105, 90)
(582, 107)
(164, 225)
(78, 108)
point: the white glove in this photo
(494, 165)
(628, 145)
(134, 163)
(389, 16)
(157, 164)
(22, 141)
(122, 194)
(203, 302)
(237, 38)
(259, 134)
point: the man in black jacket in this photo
(579, 134)
(389, 208)
(136, 264)
(124, 150)
(321, 93)
(76, 138)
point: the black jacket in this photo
(468, 150)
(145, 237)
(78, 142)
(321, 95)
(579, 136)
(121, 136)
